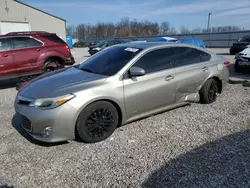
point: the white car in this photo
(242, 61)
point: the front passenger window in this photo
(156, 60)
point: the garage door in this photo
(7, 27)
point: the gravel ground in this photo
(192, 146)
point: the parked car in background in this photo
(118, 85)
(30, 53)
(79, 44)
(166, 39)
(193, 41)
(242, 60)
(239, 45)
(106, 43)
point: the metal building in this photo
(18, 16)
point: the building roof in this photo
(39, 10)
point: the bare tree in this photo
(196, 30)
(172, 31)
(184, 30)
(80, 32)
(164, 28)
(71, 31)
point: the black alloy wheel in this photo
(212, 91)
(97, 122)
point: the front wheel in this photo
(237, 67)
(209, 91)
(97, 122)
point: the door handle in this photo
(169, 77)
(5, 55)
(38, 49)
(204, 69)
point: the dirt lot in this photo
(193, 146)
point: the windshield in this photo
(244, 39)
(110, 61)
(100, 44)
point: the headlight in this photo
(97, 49)
(48, 103)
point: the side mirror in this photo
(136, 71)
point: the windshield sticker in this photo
(131, 49)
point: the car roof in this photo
(27, 33)
(145, 45)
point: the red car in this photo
(30, 53)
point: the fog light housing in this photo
(46, 131)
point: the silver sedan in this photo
(118, 85)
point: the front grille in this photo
(25, 123)
(246, 58)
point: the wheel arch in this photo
(218, 80)
(113, 102)
(59, 59)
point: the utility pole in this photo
(208, 22)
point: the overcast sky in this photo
(191, 13)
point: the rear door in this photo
(7, 66)
(192, 68)
(26, 51)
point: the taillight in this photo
(227, 64)
(67, 48)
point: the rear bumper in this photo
(70, 61)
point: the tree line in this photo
(133, 28)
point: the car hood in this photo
(62, 82)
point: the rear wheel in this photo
(97, 122)
(51, 65)
(237, 67)
(209, 91)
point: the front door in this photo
(153, 90)
(7, 66)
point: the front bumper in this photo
(34, 120)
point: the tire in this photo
(237, 67)
(51, 65)
(209, 91)
(97, 122)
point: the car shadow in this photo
(221, 163)
(16, 125)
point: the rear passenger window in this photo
(32, 43)
(155, 61)
(187, 56)
(205, 56)
(4, 45)
(24, 42)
